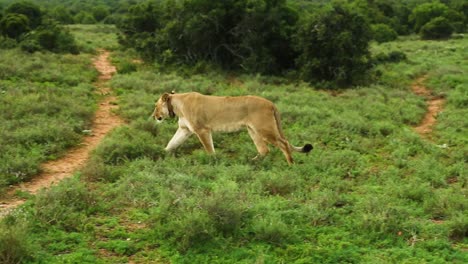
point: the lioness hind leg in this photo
(284, 146)
(260, 143)
(207, 141)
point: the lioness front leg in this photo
(179, 137)
(207, 141)
(260, 144)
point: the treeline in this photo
(81, 12)
(318, 40)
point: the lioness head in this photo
(163, 108)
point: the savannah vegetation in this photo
(372, 190)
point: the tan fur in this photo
(201, 115)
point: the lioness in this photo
(202, 114)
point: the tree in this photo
(62, 14)
(14, 25)
(425, 12)
(30, 10)
(383, 33)
(84, 18)
(100, 12)
(235, 34)
(333, 46)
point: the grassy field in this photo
(46, 101)
(372, 190)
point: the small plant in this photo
(15, 246)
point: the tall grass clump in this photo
(15, 246)
(65, 206)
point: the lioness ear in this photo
(165, 97)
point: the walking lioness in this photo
(202, 114)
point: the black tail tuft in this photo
(307, 148)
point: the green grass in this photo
(46, 100)
(92, 37)
(372, 190)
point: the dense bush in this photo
(437, 28)
(23, 22)
(393, 56)
(424, 13)
(333, 46)
(249, 35)
(14, 25)
(383, 33)
(30, 10)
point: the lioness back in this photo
(225, 113)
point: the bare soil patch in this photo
(56, 170)
(434, 107)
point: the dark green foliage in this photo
(253, 36)
(14, 25)
(100, 12)
(383, 33)
(393, 56)
(333, 45)
(51, 37)
(84, 18)
(30, 10)
(424, 13)
(23, 21)
(62, 15)
(437, 28)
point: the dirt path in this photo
(55, 171)
(434, 107)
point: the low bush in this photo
(391, 57)
(437, 28)
(65, 206)
(129, 144)
(15, 246)
(383, 33)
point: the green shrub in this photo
(15, 246)
(65, 206)
(391, 57)
(14, 25)
(7, 43)
(271, 229)
(30, 45)
(334, 46)
(55, 38)
(383, 33)
(126, 67)
(129, 144)
(437, 28)
(248, 35)
(424, 13)
(30, 10)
